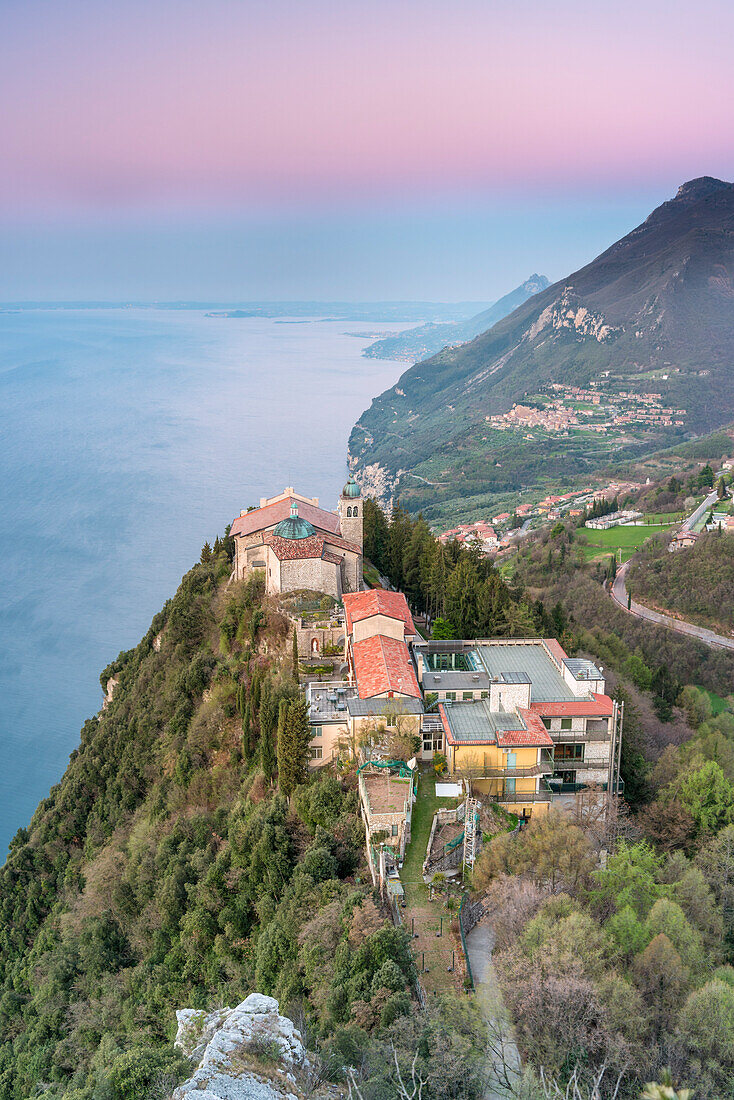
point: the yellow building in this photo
(505, 754)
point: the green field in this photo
(626, 539)
(717, 703)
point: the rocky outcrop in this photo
(250, 1052)
(109, 691)
(567, 312)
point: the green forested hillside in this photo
(697, 583)
(166, 870)
(650, 315)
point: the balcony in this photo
(578, 765)
(431, 724)
(520, 798)
(484, 771)
(577, 738)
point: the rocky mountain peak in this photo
(700, 188)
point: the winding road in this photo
(618, 591)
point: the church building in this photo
(298, 545)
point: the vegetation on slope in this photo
(170, 868)
(697, 583)
(651, 314)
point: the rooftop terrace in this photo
(330, 702)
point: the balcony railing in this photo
(520, 797)
(578, 765)
(577, 737)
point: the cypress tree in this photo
(241, 700)
(293, 746)
(247, 731)
(296, 677)
(268, 722)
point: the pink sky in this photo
(198, 105)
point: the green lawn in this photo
(717, 703)
(427, 918)
(420, 828)
(626, 539)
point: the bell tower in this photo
(350, 522)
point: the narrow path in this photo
(502, 1052)
(619, 594)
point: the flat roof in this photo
(449, 680)
(581, 669)
(526, 662)
(329, 702)
(475, 722)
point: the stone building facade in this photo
(298, 545)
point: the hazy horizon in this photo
(235, 151)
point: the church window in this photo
(354, 511)
(349, 513)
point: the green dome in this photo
(294, 527)
(351, 489)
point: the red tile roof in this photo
(535, 734)
(293, 549)
(315, 546)
(599, 706)
(261, 518)
(378, 601)
(383, 664)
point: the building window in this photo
(547, 723)
(485, 695)
(566, 723)
(568, 752)
(354, 511)
(317, 731)
(451, 695)
(427, 746)
(467, 695)
(317, 752)
(349, 513)
(394, 830)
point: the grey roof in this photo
(582, 669)
(450, 681)
(527, 662)
(476, 722)
(376, 705)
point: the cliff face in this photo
(250, 1052)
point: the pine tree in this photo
(241, 700)
(296, 677)
(293, 746)
(206, 554)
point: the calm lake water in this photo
(127, 438)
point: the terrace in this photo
(329, 702)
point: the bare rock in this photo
(250, 1052)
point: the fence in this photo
(470, 913)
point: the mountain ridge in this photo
(652, 313)
(416, 343)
